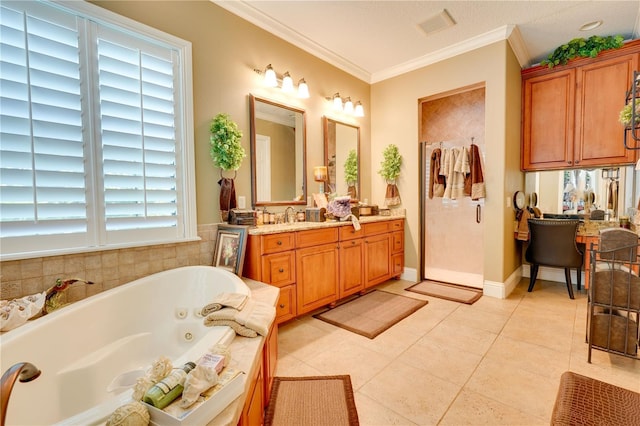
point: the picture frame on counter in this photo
(230, 248)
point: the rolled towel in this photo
(232, 300)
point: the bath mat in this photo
(371, 314)
(457, 293)
(311, 401)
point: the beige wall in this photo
(394, 119)
(226, 49)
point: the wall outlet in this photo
(508, 201)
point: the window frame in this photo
(185, 178)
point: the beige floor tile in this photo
(540, 329)
(458, 334)
(346, 358)
(443, 361)
(482, 320)
(417, 395)
(525, 391)
(529, 357)
(471, 408)
(290, 366)
(607, 367)
(371, 413)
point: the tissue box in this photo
(315, 214)
(211, 403)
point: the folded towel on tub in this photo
(232, 300)
(255, 316)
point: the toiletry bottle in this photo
(166, 390)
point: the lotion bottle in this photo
(166, 390)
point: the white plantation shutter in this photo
(93, 150)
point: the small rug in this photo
(371, 314)
(312, 401)
(457, 293)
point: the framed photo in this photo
(231, 244)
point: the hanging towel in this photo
(454, 187)
(523, 225)
(462, 170)
(227, 197)
(477, 179)
(436, 180)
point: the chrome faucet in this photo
(287, 218)
(25, 372)
(52, 298)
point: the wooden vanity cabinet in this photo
(314, 268)
(570, 113)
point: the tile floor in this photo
(493, 362)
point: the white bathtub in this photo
(109, 339)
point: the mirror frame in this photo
(303, 201)
(325, 126)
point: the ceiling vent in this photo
(437, 22)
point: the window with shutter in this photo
(94, 152)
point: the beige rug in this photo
(371, 314)
(457, 293)
(311, 401)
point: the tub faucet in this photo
(25, 372)
(287, 218)
(52, 299)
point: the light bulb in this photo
(337, 102)
(270, 78)
(303, 89)
(287, 83)
(359, 111)
(348, 106)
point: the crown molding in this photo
(482, 40)
(519, 47)
(256, 17)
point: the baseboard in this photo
(502, 290)
(409, 274)
(552, 274)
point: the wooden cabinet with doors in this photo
(317, 267)
(570, 113)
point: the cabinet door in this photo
(317, 276)
(601, 87)
(269, 361)
(253, 411)
(377, 255)
(286, 307)
(351, 267)
(279, 269)
(548, 121)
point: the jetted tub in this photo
(91, 351)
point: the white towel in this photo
(232, 300)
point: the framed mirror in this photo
(342, 157)
(278, 154)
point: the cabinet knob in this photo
(280, 270)
(281, 305)
(279, 243)
(577, 161)
(568, 162)
(353, 243)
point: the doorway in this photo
(451, 229)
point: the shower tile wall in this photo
(107, 269)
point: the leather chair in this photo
(553, 243)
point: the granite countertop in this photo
(246, 354)
(303, 226)
(591, 228)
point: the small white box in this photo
(211, 403)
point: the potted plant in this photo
(227, 153)
(626, 114)
(351, 173)
(391, 163)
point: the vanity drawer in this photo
(376, 227)
(286, 306)
(316, 237)
(275, 243)
(397, 242)
(279, 269)
(349, 233)
(397, 264)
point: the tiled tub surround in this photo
(107, 269)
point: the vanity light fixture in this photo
(271, 79)
(348, 107)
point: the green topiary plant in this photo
(351, 168)
(625, 116)
(226, 150)
(391, 164)
(582, 48)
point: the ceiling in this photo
(376, 40)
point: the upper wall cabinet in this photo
(570, 113)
